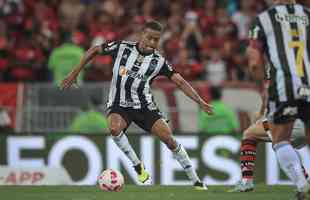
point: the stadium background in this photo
(205, 41)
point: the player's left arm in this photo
(190, 92)
(255, 51)
(264, 97)
(256, 61)
(175, 77)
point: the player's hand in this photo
(69, 81)
(206, 107)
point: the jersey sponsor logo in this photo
(290, 111)
(304, 91)
(125, 72)
(129, 103)
(292, 18)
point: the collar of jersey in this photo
(142, 53)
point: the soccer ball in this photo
(111, 180)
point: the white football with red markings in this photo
(111, 180)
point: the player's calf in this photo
(247, 165)
(247, 159)
(123, 144)
(290, 163)
(171, 143)
(162, 130)
(180, 154)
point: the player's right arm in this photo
(72, 76)
(105, 49)
(264, 97)
(255, 51)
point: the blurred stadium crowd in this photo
(42, 40)
(203, 39)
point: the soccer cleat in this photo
(243, 187)
(200, 186)
(143, 175)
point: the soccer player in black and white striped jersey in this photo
(282, 34)
(130, 100)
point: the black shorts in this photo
(144, 117)
(283, 112)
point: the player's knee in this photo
(115, 131)
(247, 134)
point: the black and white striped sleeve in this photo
(166, 70)
(257, 32)
(109, 48)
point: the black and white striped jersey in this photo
(284, 31)
(133, 73)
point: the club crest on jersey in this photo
(140, 59)
(153, 64)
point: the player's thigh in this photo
(282, 116)
(117, 122)
(162, 130)
(146, 118)
(256, 131)
(153, 121)
(281, 131)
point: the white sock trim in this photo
(290, 163)
(182, 157)
(123, 144)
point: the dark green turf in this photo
(131, 192)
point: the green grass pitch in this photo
(132, 192)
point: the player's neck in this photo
(142, 50)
